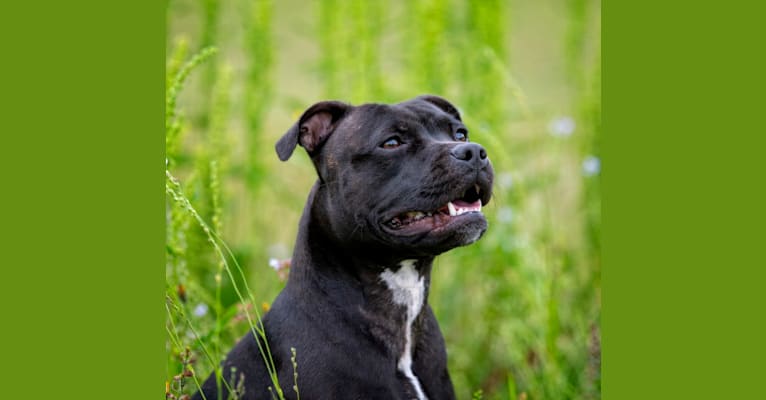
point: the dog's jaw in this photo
(407, 289)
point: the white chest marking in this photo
(407, 289)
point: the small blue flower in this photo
(591, 166)
(505, 180)
(200, 310)
(505, 215)
(562, 126)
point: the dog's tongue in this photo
(458, 207)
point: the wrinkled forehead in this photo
(369, 119)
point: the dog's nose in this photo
(471, 153)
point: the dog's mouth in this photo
(469, 203)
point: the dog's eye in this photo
(391, 143)
(461, 135)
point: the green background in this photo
(683, 201)
(81, 161)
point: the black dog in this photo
(398, 184)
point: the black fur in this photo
(335, 310)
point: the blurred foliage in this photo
(520, 309)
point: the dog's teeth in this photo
(452, 210)
(416, 215)
(478, 189)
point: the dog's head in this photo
(402, 177)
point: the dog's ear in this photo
(313, 128)
(443, 104)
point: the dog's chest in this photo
(408, 290)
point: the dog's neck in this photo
(317, 255)
(374, 282)
(390, 294)
(319, 260)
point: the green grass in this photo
(520, 309)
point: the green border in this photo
(83, 201)
(683, 174)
